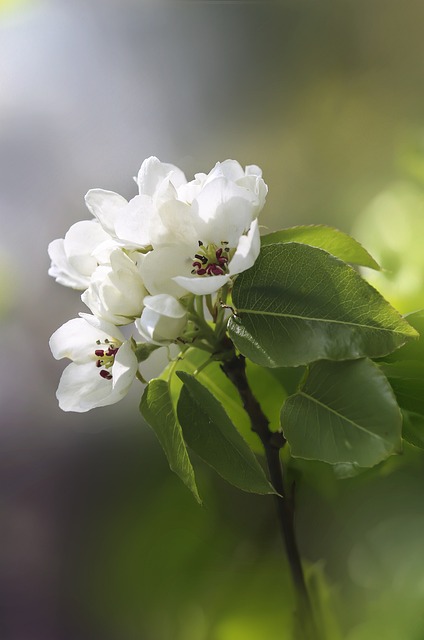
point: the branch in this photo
(235, 370)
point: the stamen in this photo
(105, 357)
(211, 260)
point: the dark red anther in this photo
(111, 352)
(105, 374)
(215, 270)
(99, 352)
(98, 363)
(218, 253)
(196, 265)
(201, 272)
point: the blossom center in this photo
(211, 259)
(105, 357)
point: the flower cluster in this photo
(145, 262)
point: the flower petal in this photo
(81, 388)
(202, 286)
(163, 319)
(135, 224)
(106, 206)
(225, 211)
(247, 250)
(153, 172)
(76, 340)
(161, 265)
(124, 370)
(62, 270)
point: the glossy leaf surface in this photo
(299, 304)
(345, 412)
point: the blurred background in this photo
(98, 539)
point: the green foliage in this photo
(212, 377)
(211, 434)
(343, 412)
(405, 371)
(413, 350)
(339, 244)
(158, 410)
(407, 380)
(299, 304)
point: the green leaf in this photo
(211, 434)
(413, 428)
(413, 350)
(157, 408)
(298, 304)
(344, 412)
(336, 242)
(224, 391)
(407, 381)
(143, 350)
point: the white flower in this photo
(163, 319)
(250, 179)
(201, 267)
(213, 235)
(103, 368)
(72, 257)
(133, 223)
(116, 291)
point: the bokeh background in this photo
(98, 539)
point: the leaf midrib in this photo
(329, 320)
(342, 417)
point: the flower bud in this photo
(163, 319)
(116, 291)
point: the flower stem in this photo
(235, 370)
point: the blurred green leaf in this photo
(407, 381)
(344, 412)
(299, 304)
(413, 428)
(288, 377)
(332, 240)
(157, 408)
(210, 433)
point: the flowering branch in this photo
(161, 262)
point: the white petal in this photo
(226, 211)
(253, 170)
(247, 250)
(123, 370)
(108, 328)
(161, 265)
(229, 169)
(202, 286)
(106, 206)
(165, 305)
(163, 319)
(62, 270)
(178, 223)
(80, 241)
(116, 291)
(76, 340)
(81, 388)
(134, 226)
(153, 172)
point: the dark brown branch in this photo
(235, 370)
